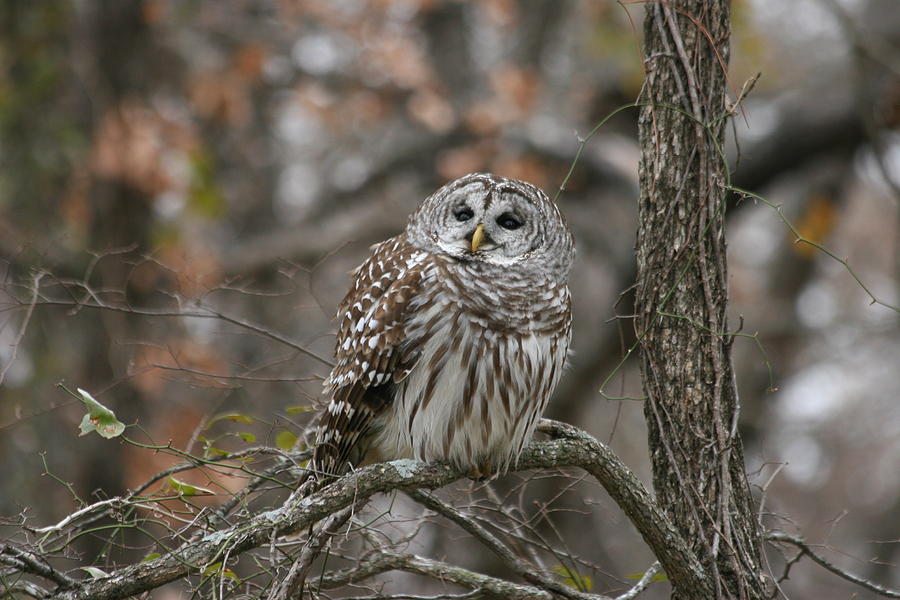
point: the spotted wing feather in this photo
(370, 352)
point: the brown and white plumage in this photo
(449, 348)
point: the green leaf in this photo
(204, 195)
(295, 410)
(99, 418)
(657, 577)
(213, 452)
(285, 439)
(151, 556)
(573, 579)
(94, 572)
(216, 568)
(186, 489)
(247, 437)
(236, 417)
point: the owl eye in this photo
(463, 213)
(509, 221)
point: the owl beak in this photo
(478, 237)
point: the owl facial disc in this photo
(496, 223)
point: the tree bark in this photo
(691, 404)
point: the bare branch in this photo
(202, 312)
(290, 585)
(497, 547)
(805, 548)
(489, 587)
(577, 449)
(22, 587)
(679, 563)
(36, 282)
(32, 563)
(642, 583)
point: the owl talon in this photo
(480, 472)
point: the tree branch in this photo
(293, 582)
(642, 583)
(24, 587)
(678, 561)
(32, 563)
(575, 449)
(499, 548)
(490, 587)
(805, 548)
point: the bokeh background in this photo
(237, 158)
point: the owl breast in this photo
(488, 352)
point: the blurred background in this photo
(236, 159)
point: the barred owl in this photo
(454, 333)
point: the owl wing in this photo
(372, 352)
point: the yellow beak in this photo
(477, 237)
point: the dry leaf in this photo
(431, 110)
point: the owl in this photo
(453, 335)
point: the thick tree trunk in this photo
(691, 406)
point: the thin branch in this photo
(679, 562)
(490, 541)
(22, 587)
(36, 282)
(801, 239)
(109, 503)
(642, 584)
(575, 449)
(32, 563)
(467, 596)
(203, 313)
(490, 587)
(293, 583)
(805, 548)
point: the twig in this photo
(804, 547)
(497, 547)
(36, 282)
(575, 448)
(491, 587)
(642, 583)
(801, 239)
(203, 313)
(22, 587)
(473, 594)
(296, 577)
(30, 563)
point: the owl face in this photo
(483, 218)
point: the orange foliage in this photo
(153, 11)
(398, 58)
(432, 110)
(527, 167)
(515, 96)
(249, 60)
(503, 13)
(221, 96)
(365, 108)
(456, 162)
(516, 88)
(815, 224)
(196, 266)
(224, 95)
(130, 143)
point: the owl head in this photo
(486, 219)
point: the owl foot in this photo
(481, 472)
